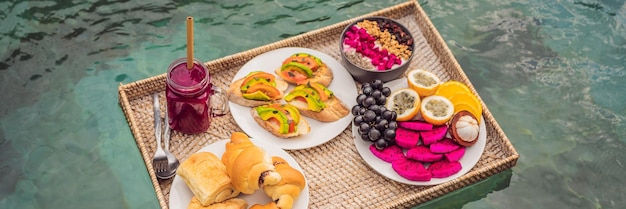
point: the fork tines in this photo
(160, 165)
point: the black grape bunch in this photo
(374, 121)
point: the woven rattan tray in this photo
(337, 176)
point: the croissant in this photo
(233, 203)
(270, 205)
(248, 165)
(292, 182)
(206, 176)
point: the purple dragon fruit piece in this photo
(388, 154)
(423, 154)
(444, 146)
(411, 170)
(434, 135)
(455, 155)
(442, 169)
(416, 125)
(406, 138)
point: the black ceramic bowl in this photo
(355, 64)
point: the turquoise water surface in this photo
(551, 72)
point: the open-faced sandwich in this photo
(301, 68)
(316, 101)
(256, 88)
(282, 120)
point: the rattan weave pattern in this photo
(337, 176)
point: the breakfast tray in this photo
(337, 175)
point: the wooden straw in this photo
(189, 42)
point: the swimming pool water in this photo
(551, 72)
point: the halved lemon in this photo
(471, 100)
(423, 81)
(450, 88)
(405, 102)
(436, 110)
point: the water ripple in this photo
(271, 20)
(36, 164)
(75, 33)
(99, 21)
(319, 19)
(61, 60)
(160, 23)
(350, 4)
(35, 77)
(16, 55)
(158, 8)
(300, 7)
(236, 7)
(595, 6)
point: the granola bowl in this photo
(376, 48)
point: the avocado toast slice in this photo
(315, 101)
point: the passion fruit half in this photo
(422, 81)
(436, 110)
(405, 102)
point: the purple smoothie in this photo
(188, 97)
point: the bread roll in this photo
(206, 176)
(234, 203)
(269, 205)
(288, 189)
(248, 165)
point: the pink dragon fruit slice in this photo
(416, 125)
(442, 169)
(423, 154)
(455, 155)
(434, 135)
(411, 170)
(388, 154)
(444, 146)
(406, 138)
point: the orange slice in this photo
(458, 107)
(470, 100)
(422, 81)
(405, 102)
(436, 110)
(450, 88)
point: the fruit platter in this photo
(408, 147)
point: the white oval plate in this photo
(471, 157)
(342, 85)
(180, 194)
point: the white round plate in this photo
(180, 194)
(342, 85)
(471, 157)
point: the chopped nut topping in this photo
(386, 39)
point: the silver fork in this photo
(159, 162)
(172, 161)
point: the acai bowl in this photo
(376, 48)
